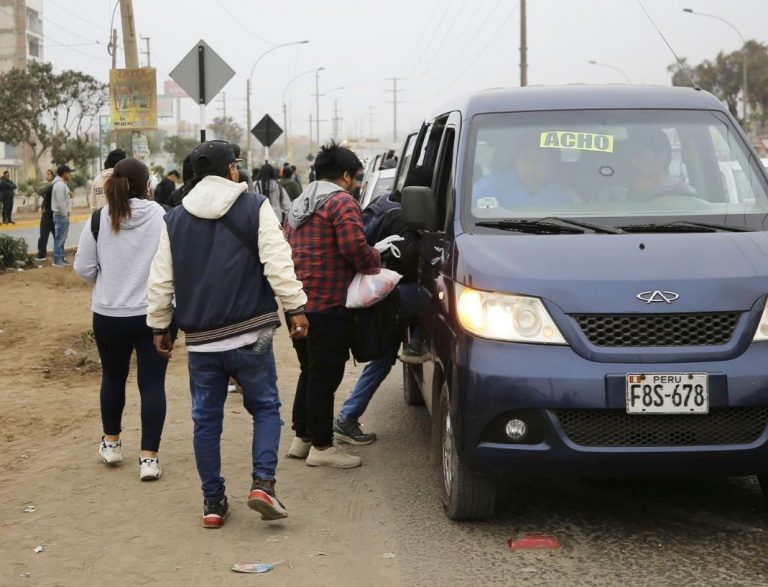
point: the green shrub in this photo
(12, 250)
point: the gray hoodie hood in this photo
(313, 198)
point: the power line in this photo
(417, 60)
(83, 19)
(245, 28)
(423, 38)
(472, 61)
(451, 63)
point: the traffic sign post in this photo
(202, 74)
(267, 131)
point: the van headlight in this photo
(506, 317)
(761, 335)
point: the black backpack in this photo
(376, 329)
(96, 223)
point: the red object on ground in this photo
(533, 542)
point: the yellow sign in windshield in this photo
(577, 141)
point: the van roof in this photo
(583, 96)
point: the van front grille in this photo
(658, 330)
(722, 426)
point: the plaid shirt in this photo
(329, 250)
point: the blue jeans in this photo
(209, 375)
(60, 232)
(376, 371)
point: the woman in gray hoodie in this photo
(116, 258)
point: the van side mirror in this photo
(419, 208)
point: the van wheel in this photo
(763, 480)
(411, 392)
(466, 495)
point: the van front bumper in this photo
(552, 387)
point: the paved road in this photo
(29, 230)
(634, 533)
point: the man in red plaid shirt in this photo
(325, 231)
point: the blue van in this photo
(593, 290)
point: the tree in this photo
(227, 129)
(36, 104)
(723, 77)
(76, 150)
(179, 147)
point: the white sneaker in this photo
(333, 457)
(111, 452)
(149, 469)
(299, 448)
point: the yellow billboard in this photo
(133, 96)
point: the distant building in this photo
(21, 41)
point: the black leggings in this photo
(116, 338)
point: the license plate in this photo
(667, 393)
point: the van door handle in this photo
(440, 259)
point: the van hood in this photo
(710, 272)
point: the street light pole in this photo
(613, 67)
(285, 107)
(743, 53)
(248, 84)
(317, 106)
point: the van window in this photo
(611, 164)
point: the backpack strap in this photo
(96, 223)
(233, 228)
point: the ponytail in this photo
(128, 180)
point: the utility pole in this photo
(223, 108)
(371, 116)
(395, 101)
(523, 46)
(311, 148)
(148, 52)
(248, 122)
(317, 106)
(114, 48)
(129, 35)
(285, 128)
(336, 120)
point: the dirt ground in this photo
(101, 526)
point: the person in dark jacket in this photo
(243, 173)
(46, 216)
(289, 184)
(7, 192)
(186, 177)
(382, 219)
(296, 177)
(223, 257)
(165, 188)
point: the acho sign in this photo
(133, 96)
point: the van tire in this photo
(466, 495)
(763, 480)
(411, 392)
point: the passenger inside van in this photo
(521, 176)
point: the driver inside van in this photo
(649, 155)
(522, 176)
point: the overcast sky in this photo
(439, 47)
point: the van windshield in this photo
(616, 167)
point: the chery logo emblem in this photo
(649, 297)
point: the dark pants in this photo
(7, 207)
(116, 338)
(46, 228)
(322, 356)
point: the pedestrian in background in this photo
(288, 183)
(96, 197)
(165, 188)
(243, 173)
(7, 193)
(116, 258)
(224, 258)
(46, 216)
(267, 185)
(296, 177)
(325, 231)
(186, 178)
(61, 206)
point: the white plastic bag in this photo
(367, 290)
